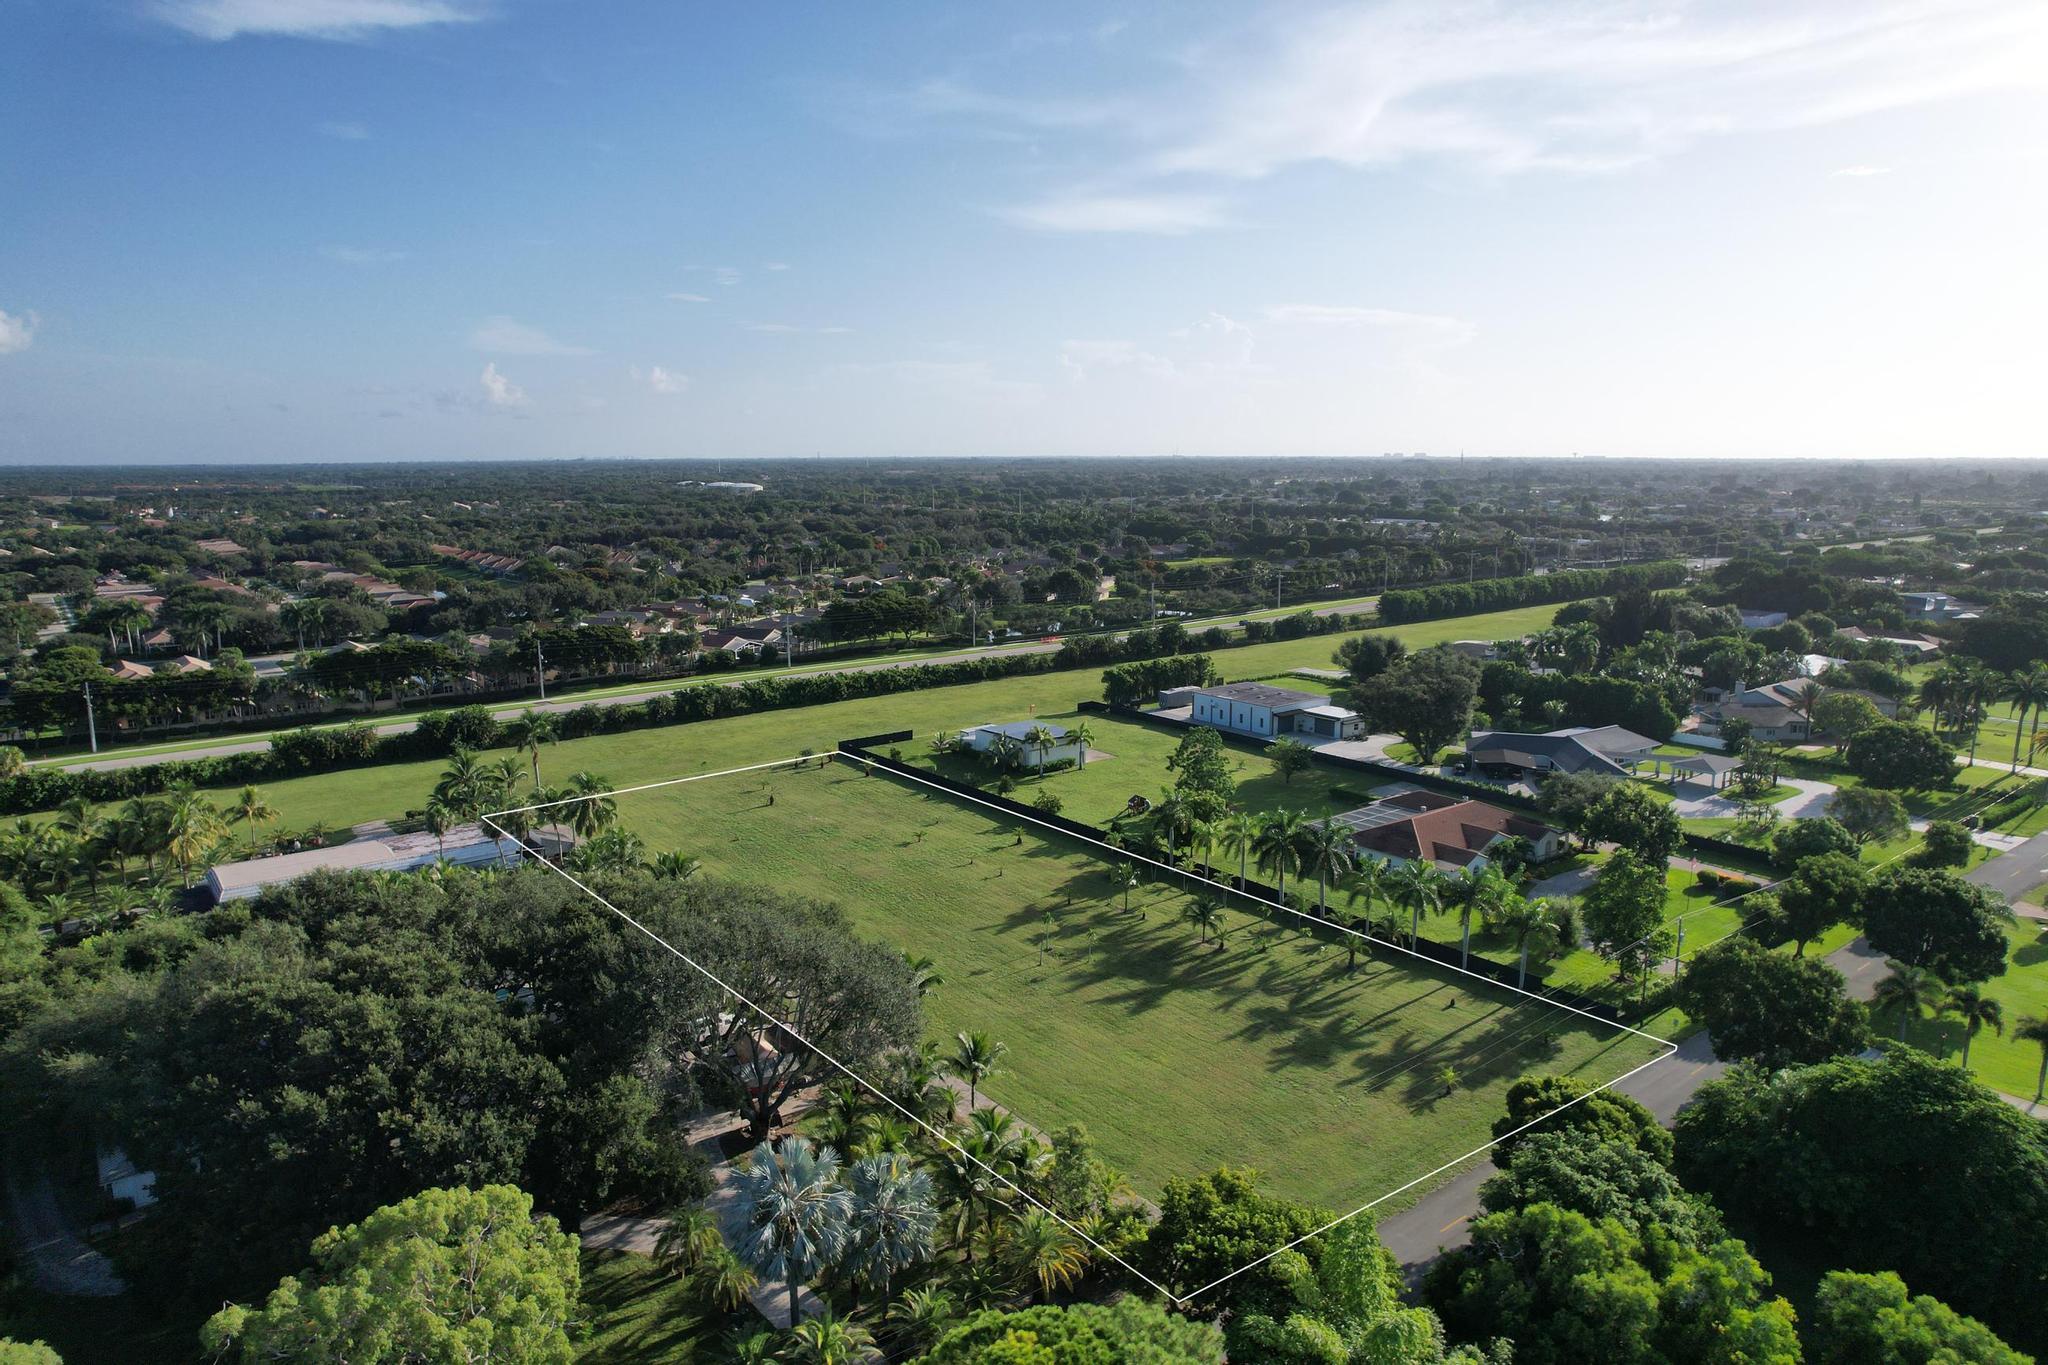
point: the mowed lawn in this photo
(2000, 1061)
(1178, 1057)
(338, 799)
(1136, 765)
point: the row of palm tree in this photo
(1914, 993)
(1286, 843)
(1956, 695)
(81, 843)
(471, 787)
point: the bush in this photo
(1498, 594)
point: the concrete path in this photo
(58, 1258)
(1808, 799)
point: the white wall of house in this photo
(1247, 718)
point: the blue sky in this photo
(407, 229)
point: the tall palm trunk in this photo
(1522, 976)
(2019, 724)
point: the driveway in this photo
(1808, 800)
(59, 1260)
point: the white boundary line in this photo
(1179, 1300)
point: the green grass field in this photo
(1177, 1056)
(640, 1314)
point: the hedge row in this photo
(297, 753)
(1499, 594)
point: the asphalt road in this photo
(2016, 872)
(1441, 1220)
(258, 743)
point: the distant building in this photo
(1263, 711)
(463, 846)
(1936, 606)
(1608, 750)
(1762, 620)
(1016, 737)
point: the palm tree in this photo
(1913, 992)
(1083, 738)
(893, 1218)
(529, 731)
(1414, 884)
(1327, 849)
(2034, 1029)
(252, 809)
(1124, 877)
(597, 810)
(1279, 846)
(1173, 816)
(1042, 741)
(463, 784)
(1239, 836)
(689, 1241)
(1484, 888)
(193, 828)
(974, 1060)
(1043, 1253)
(1205, 915)
(915, 1320)
(1533, 925)
(925, 975)
(676, 867)
(795, 1214)
(827, 1340)
(1976, 1009)
(438, 821)
(727, 1280)
(2027, 690)
(1805, 697)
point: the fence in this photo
(863, 751)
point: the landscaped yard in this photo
(1178, 1056)
(2001, 1062)
(1137, 753)
(641, 1314)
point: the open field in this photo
(355, 795)
(1177, 1056)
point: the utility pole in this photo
(1678, 953)
(1278, 578)
(92, 729)
(540, 670)
(973, 620)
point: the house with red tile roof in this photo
(1452, 833)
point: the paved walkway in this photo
(59, 1259)
(1808, 799)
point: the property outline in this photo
(1176, 1298)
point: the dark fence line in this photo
(1505, 973)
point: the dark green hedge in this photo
(1499, 594)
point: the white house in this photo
(463, 846)
(1016, 737)
(120, 1180)
(1263, 711)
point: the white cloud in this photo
(1448, 331)
(1859, 172)
(17, 331)
(220, 20)
(660, 380)
(775, 265)
(1532, 85)
(343, 130)
(507, 336)
(499, 391)
(791, 327)
(689, 298)
(721, 274)
(1080, 358)
(360, 255)
(1169, 215)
